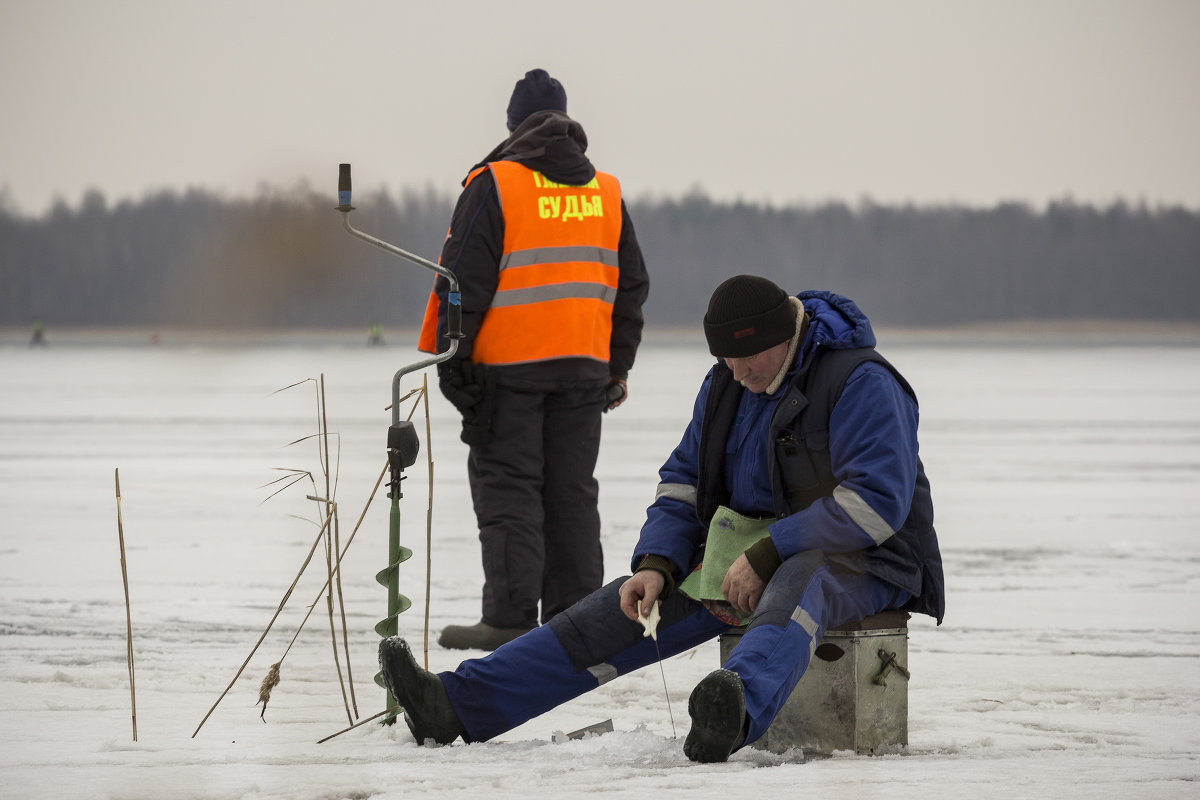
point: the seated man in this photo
(795, 502)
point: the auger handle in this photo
(454, 298)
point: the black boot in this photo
(419, 692)
(479, 636)
(718, 710)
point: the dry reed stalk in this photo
(334, 547)
(296, 475)
(428, 511)
(331, 548)
(332, 535)
(360, 723)
(272, 678)
(329, 607)
(338, 564)
(337, 575)
(278, 611)
(411, 392)
(128, 610)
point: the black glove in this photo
(614, 394)
(469, 387)
(461, 383)
(477, 420)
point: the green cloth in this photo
(729, 535)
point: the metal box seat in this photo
(854, 694)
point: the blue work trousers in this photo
(593, 642)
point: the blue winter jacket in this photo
(874, 461)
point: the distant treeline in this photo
(283, 260)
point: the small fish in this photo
(649, 621)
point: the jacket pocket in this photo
(798, 465)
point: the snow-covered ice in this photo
(1065, 479)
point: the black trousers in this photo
(535, 502)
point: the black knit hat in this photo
(747, 315)
(537, 91)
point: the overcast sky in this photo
(966, 101)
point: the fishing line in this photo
(650, 623)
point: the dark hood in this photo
(551, 143)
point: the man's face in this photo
(757, 371)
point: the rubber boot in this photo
(420, 693)
(718, 710)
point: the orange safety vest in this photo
(558, 270)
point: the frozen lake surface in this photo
(1066, 479)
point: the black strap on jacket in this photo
(802, 439)
(720, 410)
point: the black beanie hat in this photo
(747, 315)
(537, 91)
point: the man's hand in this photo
(641, 591)
(742, 587)
(462, 383)
(615, 393)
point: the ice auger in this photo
(402, 442)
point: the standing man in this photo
(552, 282)
(795, 502)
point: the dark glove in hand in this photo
(477, 420)
(476, 432)
(461, 383)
